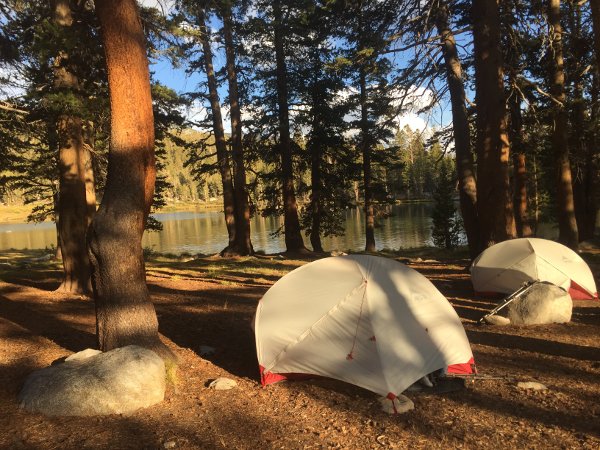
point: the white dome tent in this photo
(504, 267)
(366, 320)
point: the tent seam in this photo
(510, 267)
(558, 270)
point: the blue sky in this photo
(177, 79)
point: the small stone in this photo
(531, 385)
(84, 354)
(399, 405)
(497, 320)
(206, 350)
(222, 384)
(170, 444)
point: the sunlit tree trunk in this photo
(293, 236)
(124, 313)
(567, 223)
(494, 203)
(219, 132)
(89, 143)
(72, 207)
(460, 123)
(243, 243)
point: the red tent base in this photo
(467, 368)
(575, 291)
(267, 378)
(578, 293)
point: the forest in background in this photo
(296, 113)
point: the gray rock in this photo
(222, 384)
(497, 320)
(526, 385)
(120, 381)
(83, 354)
(543, 303)
(398, 405)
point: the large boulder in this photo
(92, 383)
(542, 303)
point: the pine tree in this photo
(446, 228)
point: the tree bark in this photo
(90, 182)
(293, 236)
(243, 242)
(124, 313)
(582, 163)
(567, 223)
(72, 207)
(366, 156)
(72, 221)
(519, 168)
(494, 204)
(316, 201)
(467, 186)
(220, 143)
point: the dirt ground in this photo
(210, 302)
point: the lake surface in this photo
(408, 225)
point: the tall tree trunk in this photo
(494, 204)
(536, 196)
(519, 167)
(460, 123)
(316, 201)
(592, 167)
(243, 243)
(293, 236)
(72, 207)
(124, 313)
(90, 182)
(366, 156)
(57, 253)
(315, 147)
(582, 162)
(567, 223)
(220, 143)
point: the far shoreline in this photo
(10, 214)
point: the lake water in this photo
(408, 225)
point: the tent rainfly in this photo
(366, 320)
(504, 267)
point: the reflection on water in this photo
(408, 225)
(27, 235)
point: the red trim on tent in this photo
(578, 293)
(467, 368)
(267, 378)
